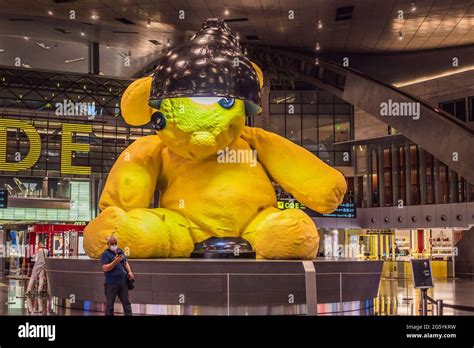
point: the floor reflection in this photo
(14, 302)
(396, 297)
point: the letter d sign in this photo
(35, 145)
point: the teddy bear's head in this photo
(192, 127)
(197, 128)
(199, 94)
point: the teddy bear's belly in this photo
(221, 198)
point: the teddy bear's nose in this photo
(202, 142)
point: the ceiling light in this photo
(83, 34)
(67, 61)
(413, 7)
(432, 77)
(95, 16)
(26, 37)
(226, 11)
(107, 44)
(400, 35)
(148, 23)
(318, 47)
(316, 61)
(320, 24)
(2, 50)
(50, 12)
(43, 45)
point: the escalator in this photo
(444, 136)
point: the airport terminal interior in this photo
(310, 157)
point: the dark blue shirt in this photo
(118, 275)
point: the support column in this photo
(263, 120)
(100, 187)
(407, 175)
(354, 166)
(93, 201)
(467, 188)
(395, 194)
(94, 58)
(368, 157)
(44, 187)
(453, 187)
(380, 176)
(422, 176)
(437, 191)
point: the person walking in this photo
(38, 272)
(116, 271)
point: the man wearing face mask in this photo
(116, 270)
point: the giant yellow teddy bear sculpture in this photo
(200, 196)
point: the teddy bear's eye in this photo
(158, 121)
(226, 103)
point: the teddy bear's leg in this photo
(283, 234)
(141, 233)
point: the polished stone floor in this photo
(396, 297)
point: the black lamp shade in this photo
(211, 64)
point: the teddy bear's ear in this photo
(134, 102)
(259, 74)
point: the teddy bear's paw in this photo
(140, 233)
(287, 234)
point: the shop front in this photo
(396, 247)
(436, 244)
(19, 241)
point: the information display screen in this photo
(286, 201)
(345, 210)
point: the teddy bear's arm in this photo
(298, 171)
(132, 180)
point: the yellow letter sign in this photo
(68, 147)
(35, 145)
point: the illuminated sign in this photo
(35, 145)
(344, 210)
(287, 201)
(378, 232)
(68, 147)
(290, 204)
(3, 199)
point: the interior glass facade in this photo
(50, 102)
(403, 173)
(462, 108)
(315, 120)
